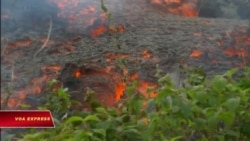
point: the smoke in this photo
(27, 14)
(239, 9)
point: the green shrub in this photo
(216, 109)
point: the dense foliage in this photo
(216, 109)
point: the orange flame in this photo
(21, 43)
(113, 29)
(182, 8)
(219, 43)
(146, 54)
(236, 52)
(196, 53)
(119, 90)
(12, 103)
(110, 56)
(51, 68)
(77, 74)
(143, 89)
(64, 3)
(98, 31)
(134, 76)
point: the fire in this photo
(219, 43)
(240, 45)
(113, 56)
(81, 14)
(51, 69)
(20, 43)
(146, 54)
(65, 3)
(90, 9)
(143, 88)
(236, 52)
(119, 90)
(134, 76)
(77, 73)
(12, 103)
(178, 7)
(196, 53)
(115, 28)
(98, 31)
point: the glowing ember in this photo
(134, 76)
(65, 3)
(98, 31)
(113, 56)
(12, 103)
(143, 88)
(51, 69)
(114, 29)
(146, 54)
(240, 45)
(214, 61)
(196, 53)
(236, 52)
(119, 90)
(198, 34)
(178, 7)
(219, 43)
(81, 14)
(77, 74)
(21, 43)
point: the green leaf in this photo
(213, 119)
(74, 119)
(245, 129)
(150, 105)
(219, 83)
(228, 118)
(176, 138)
(186, 110)
(62, 93)
(231, 72)
(233, 133)
(100, 131)
(232, 104)
(91, 118)
(101, 110)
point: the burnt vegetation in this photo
(153, 77)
